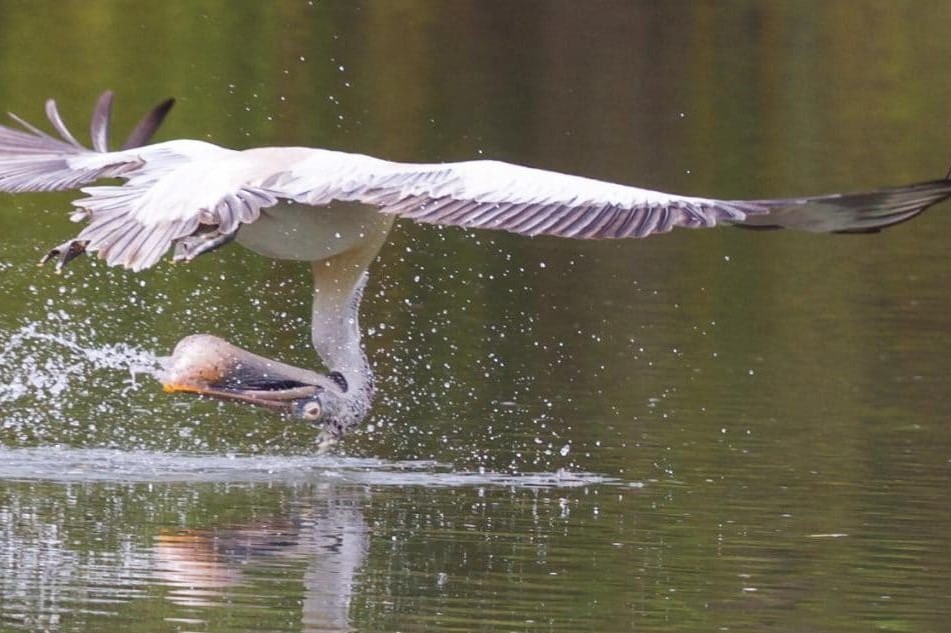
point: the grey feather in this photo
(856, 212)
(32, 160)
(157, 243)
(146, 128)
(116, 250)
(52, 113)
(99, 126)
(227, 214)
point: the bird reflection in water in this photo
(205, 567)
(334, 210)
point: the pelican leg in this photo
(188, 248)
(65, 253)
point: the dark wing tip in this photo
(852, 213)
(146, 128)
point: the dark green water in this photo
(703, 431)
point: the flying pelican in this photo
(334, 210)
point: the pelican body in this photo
(334, 210)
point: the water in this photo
(708, 430)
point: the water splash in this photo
(41, 369)
(27, 367)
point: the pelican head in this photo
(209, 366)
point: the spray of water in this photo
(47, 364)
(44, 366)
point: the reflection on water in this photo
(200, 573)
(214, 553)
(209, 531)
(321, 555)
(328, 542)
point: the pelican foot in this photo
(65, 253)
(188, 248)
(326, 441)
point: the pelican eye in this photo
(338, 378)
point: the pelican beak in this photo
(209, 366)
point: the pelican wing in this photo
(121, 227)
(194, 195)
(496, 195)
(123, 233)
(32, 160)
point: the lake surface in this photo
(703, 431)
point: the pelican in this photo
(334, 210)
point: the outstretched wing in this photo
(195, 195)
(496, 195)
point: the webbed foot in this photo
(65, 253)
(190, 247)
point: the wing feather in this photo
(119, 234)
(144, 130)
(32, 160)
(531, 216)
(480, 194)
(863, 212)
(490, 194)
(99, 126)
(33, 139)
(157, 243)
(595, 218)
(227, 214)
(52, 113)
(116, 250)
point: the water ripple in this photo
(63, 464)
